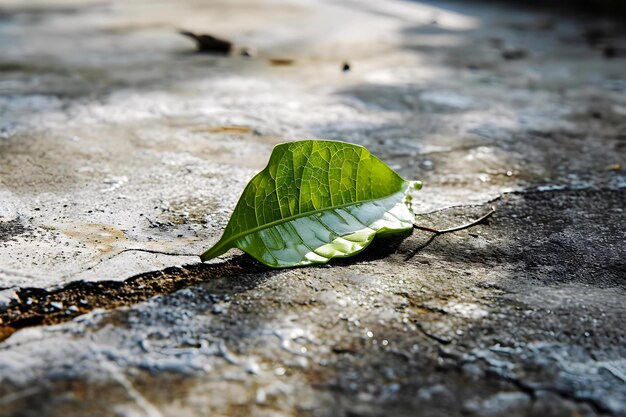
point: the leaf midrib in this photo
(218, 247)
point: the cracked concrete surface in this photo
(117, 142)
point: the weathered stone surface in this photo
(115, 136)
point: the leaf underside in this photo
(316, 200)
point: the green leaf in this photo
(316, 200)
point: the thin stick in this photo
(455, 229)
(426, 228)
(420, 247)
(437, 232)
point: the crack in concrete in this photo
(115, 254)
(36, 306)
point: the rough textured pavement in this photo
(117, 142)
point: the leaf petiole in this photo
(457, 228)
(437, 232)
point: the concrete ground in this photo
(118, 141)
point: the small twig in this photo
(437, 232)
(420, 247)
(455, 229)
(427, 229)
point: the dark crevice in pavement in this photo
(36, 306)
